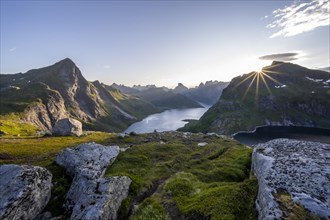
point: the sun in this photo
(259, 78)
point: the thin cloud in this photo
(300, 17)
(280, 57)
(106, 66)
(12, 49)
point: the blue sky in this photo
(163, 42)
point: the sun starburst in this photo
(258, 79)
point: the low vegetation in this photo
(172, 177)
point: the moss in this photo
(292, 210)
(175, 179)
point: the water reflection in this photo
(168, 120)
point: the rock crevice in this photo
(91, 196)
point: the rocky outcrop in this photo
(67, 127)
(101, 197)
(299, 168)
(45, 113)
(24, 191)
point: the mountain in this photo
(164, 98)
(43, 96)
(161, 97)
(281, 94)
(208, 93)
(180, 88)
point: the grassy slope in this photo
(210, 181)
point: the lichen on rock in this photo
(91, 196)
(300, 168)
(24, 191)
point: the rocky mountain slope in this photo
(208, 93)
(282, 94)
(43, 96)
(161, 97)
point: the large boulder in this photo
(67, 127)
(293, 175)
(101, 197)
(24, 191)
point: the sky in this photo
(163, 42)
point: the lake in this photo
(169, 120)
(267, 133)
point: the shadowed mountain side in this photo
(161, 97)
(282, 94)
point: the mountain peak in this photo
(66, 61)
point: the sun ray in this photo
(244, 80)
(266, 84)
(271, 78)
(257, 88)
(271, 71)
(247, 90)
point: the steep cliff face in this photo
(282, 94)
(51, 93)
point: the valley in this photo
(205, 170)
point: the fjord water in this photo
(266, 133)
(169, 120)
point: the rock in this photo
(24, 191)
(44, 216)
(89, 159)
(201, 144)
(68, 127)
(300, 168)
(102, 197)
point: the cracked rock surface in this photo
(24, 191)
(91, 196)
(301, 168)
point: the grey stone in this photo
(301, 168)
(24, 191)
(67, 127)
(101, 197)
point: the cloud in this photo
(300, 17)
(280, 57)
(12, 49)
(106, 66)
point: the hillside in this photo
(282, 94)
(208, 93)
(43, 96)
(173, 177)
(161, 97)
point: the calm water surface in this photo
(169, 120)
(267, 133)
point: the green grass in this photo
(11, 125)
(174, 179)
(41, 151)
(210, 181)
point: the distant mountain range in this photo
(282, 94)
(207, 94)
(43, 96)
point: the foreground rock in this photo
(68, 127)
(101, 197)
(299, 170)
(24, 191)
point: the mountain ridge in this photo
(282, 94)
(48, 94)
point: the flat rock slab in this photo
(301, 168)
(89, 159)
(91, 196)
(24, 191)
